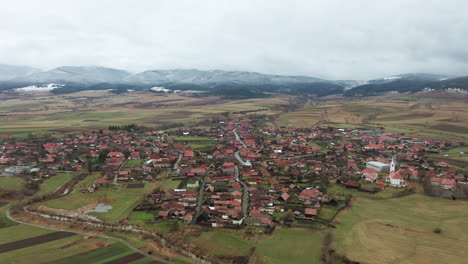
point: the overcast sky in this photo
(348, 39)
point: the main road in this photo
(245, 187)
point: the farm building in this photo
(378, 166)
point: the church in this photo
(395, 178)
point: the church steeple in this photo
(394, 163)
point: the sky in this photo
(334, 39)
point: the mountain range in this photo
(230, 83)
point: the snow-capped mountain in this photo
(85, 75)
(69, 79)
(8, 72)
(214, 77)
(412, 77)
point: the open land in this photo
(401, 230)
(377, 227)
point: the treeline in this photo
(129, 128)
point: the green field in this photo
(51, 184)
(74, 249)
(18, 232)
(97, 256)
(290, 245)
(46, 252)
(121, 199)
(141, 216)
(4, 221)
(223, 243)
(198, 143)
(454, 158)
(169, 184)
(341, 192)
(11, 183)
(401, 230)
(133, 163)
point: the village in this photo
(247, 175)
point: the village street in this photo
(120, 168)
(245, 188)
(199, 202)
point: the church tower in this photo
(393, 164)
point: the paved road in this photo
(199, 202)
(245, 187)
(118, 170)
(239, 158)
(245, 192)
(176, 165)
(238, 138)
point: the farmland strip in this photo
(28, 242)
(126, 259)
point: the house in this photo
(396, 180)
(442, 164)
(370, 174)
(188, 218)
(114, 154)
(100, 182)
(135, 155)
(448, 184)
(310, 212)
(435, 181)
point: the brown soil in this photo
(451, 128)
(406, 117)
(28, 242)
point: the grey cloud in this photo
(358, 39)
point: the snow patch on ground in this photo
(163, 90)
(40, 88)
(392, 78)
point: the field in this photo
(418, 115)
(122, 199)
(98, 109)
(196, 142)
(11, 183)
(223, 243)
(51, 184)
(288, 245)
(341, 192)
(285, 245)
(453, 157)
(401, 230)
(27, 244)
(116, 251)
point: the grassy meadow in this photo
(289, 245)
(74, 249)
(51, 184)
(11, 183)
(401, 230)
(122, 199)
(197, 143)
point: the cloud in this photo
(357, 39)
